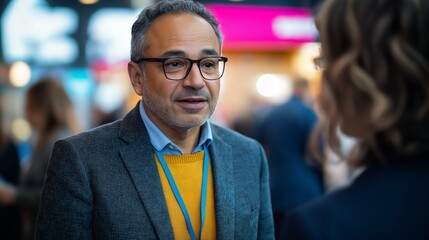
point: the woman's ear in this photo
(136, 77)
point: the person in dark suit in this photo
(375, 88)
(10, 215)
(284, 133)
(163, 171)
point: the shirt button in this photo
(171, 147)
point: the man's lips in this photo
(192, 102)
(192, 99)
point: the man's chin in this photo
(190, 122)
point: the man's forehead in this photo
(181, 34)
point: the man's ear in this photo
(136, 77)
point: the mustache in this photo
(200, 93)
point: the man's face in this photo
(179, 104)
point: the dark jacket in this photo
(285, 133)
(384, 202)
(10, 216)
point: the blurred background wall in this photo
(86, 44)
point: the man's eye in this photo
(208, 65)
(173, 64)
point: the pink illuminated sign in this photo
(264, 28)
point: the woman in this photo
(50, 113)
(375, 88)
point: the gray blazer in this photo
(104, 184)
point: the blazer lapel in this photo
(222, 165)
(138, 158)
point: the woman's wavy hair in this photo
(376, 56)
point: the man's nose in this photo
(194, 79)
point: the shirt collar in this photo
(161, 142)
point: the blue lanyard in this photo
(179, 197)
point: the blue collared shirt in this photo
(161, 142)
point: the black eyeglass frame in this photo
(320, 63)
(163, 60)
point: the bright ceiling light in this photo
(19, 74)
(274, 87)
(88, 2)
(21, 129)
(270, 85)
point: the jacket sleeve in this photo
(266, 222)
(66, 201)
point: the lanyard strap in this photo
(179, 197)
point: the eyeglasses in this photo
(320, 63)
(178, 68)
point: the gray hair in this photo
(151, 13)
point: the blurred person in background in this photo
(50, 113)
(375, 88)
(10, 217)
(163, 171)
(285, 133)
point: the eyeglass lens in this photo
(211, 68)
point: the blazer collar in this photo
(138, 158)
(222, 165)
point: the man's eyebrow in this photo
(210, 52)
(174, 53)
(180, 53)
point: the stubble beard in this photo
(163, 112)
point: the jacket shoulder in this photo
(96, 135)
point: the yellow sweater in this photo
(187, 171)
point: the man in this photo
(285, 133)
(164, 171)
